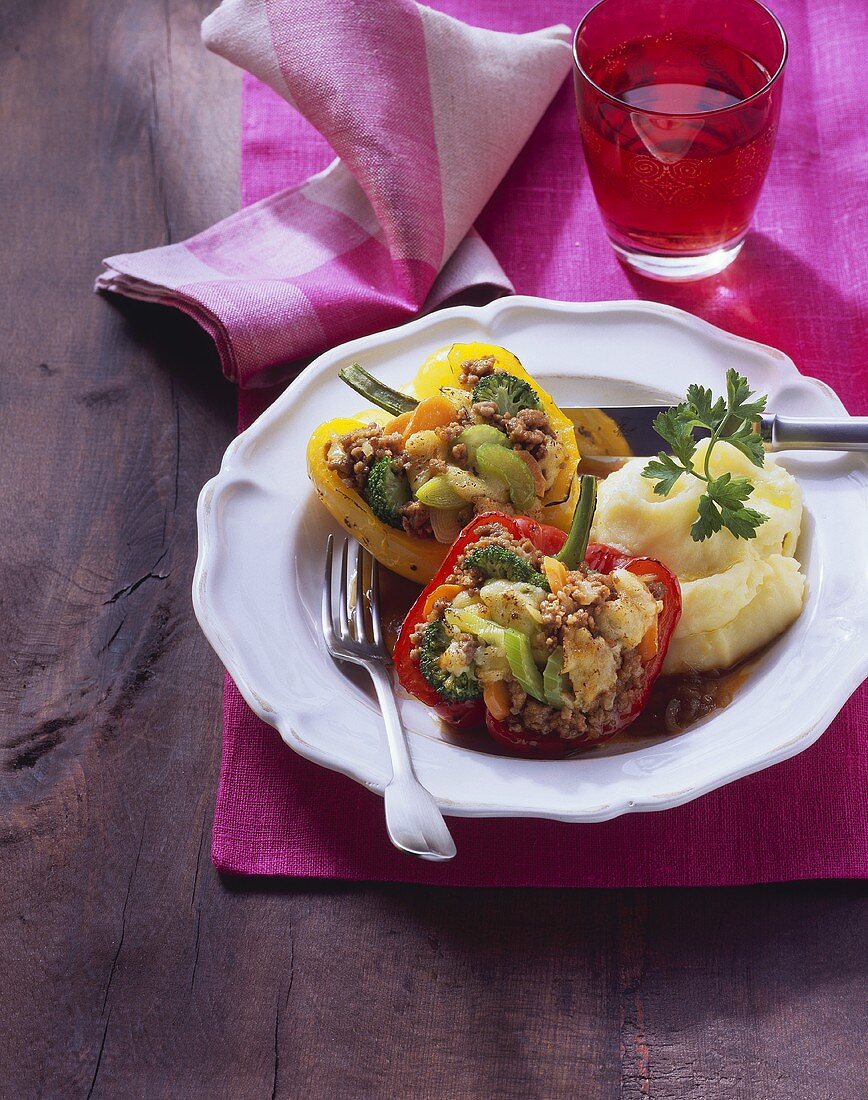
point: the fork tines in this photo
(356, 632)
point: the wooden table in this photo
(131, 968)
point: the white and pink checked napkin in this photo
(425, 113)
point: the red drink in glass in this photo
(678, 107)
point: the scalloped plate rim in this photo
(211, 625)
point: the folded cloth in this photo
(426, 115)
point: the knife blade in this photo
(625, 430)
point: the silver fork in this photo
(413, 819)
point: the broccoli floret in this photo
(498, 561)
(510, 394)
(456, 689)
(387, 490)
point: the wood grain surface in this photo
(131, 969)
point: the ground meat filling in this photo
(450, 432)
(472, 370)
(459, 455)
(416, 639)
(572, 616)
(416, 519)
(488, 411)
(353, 454)
(530, 430)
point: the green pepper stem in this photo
(573, 551)
(382, 395)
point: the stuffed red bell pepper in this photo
(554, 643)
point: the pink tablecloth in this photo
(801, 284)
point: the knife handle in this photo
(796, 433)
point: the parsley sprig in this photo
(728, 419)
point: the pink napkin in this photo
(426, 115)
(801, 284)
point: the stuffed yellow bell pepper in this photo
(473, 433)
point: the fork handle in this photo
(402, 763)
(414, 821)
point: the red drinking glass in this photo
(678, 105)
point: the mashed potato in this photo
(738, 594)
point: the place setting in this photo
(531, 539)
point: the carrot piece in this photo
(400, 422)
(496, 699)
(434, 412)
(648, 646)
(556, 573)
(441, 592)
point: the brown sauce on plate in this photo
(678, 702)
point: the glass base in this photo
(672, 268)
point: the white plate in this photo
(262, 532)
